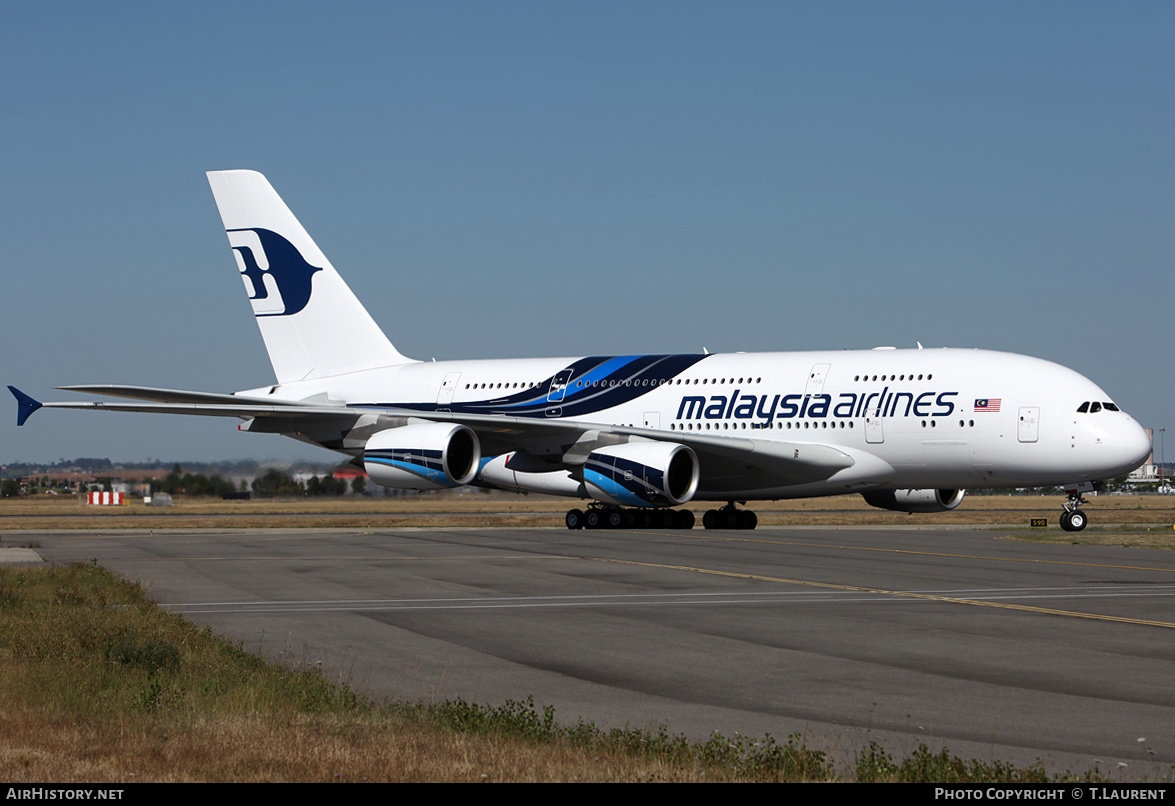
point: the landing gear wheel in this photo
(1073, 519)
(575, 519)
(730, 518)
(594, 519)
(683, 519)
(615, 519)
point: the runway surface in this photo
(991, 648)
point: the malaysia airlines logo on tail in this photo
(276, 276)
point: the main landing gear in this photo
(603, 516)
(1073, 519)
(729, 517)
(609, 517)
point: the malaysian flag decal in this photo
(988, 404)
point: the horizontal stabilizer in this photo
(178, 401)
(25, 405)
(243, 409)
(169, 395)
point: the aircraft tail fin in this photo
(312, 323)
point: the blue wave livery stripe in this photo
(592, 384)
(606, 368)
(630, 483)
(426, 464)
(613, 489)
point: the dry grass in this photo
(103, 687)
(506, 510)
(263, 748)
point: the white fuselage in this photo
(909, 418)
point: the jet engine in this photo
(642, 474)
(915, 500)
(422, 456)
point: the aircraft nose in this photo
(1133, 445)
(1136, 444)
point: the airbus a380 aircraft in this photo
(640, 434)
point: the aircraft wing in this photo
(740, 457)
(722, 456)
(173, 401)
(783, 462)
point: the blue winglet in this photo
(25, 405)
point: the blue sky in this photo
(511, 179)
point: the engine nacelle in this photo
(642, 474)
(422, 456)
(915, 500)
(503, 472)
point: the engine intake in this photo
(642, 474)
(915, 500)
(422, 456)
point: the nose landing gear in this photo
(1073, 519)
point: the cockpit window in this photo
(1110, 406)
(1083, 408)
(1095, 407)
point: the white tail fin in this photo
(312, 323)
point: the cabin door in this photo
(1028, 428)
